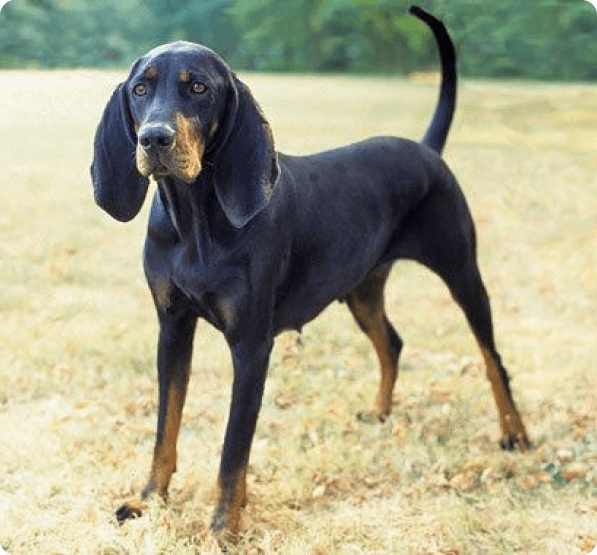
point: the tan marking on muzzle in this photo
(188, 149)
(183, 160)
(143, 164)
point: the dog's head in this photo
(180, 109)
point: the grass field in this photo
(77, 342)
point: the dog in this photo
(257, 242)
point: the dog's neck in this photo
(195, 212)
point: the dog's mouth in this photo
(173, 163)
(161, 170)
(153, 164)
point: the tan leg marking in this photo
(164, 460)
(164, 457)
(387, 365)
(511, 425)
(227, 517)
(376, 327)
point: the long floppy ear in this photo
(246, 168)
(118, 186)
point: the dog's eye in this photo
(198, 88)
(140, 90)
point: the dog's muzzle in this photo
(163, 150)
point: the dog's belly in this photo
(312, 285)
(291, 316)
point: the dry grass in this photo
(77, 386)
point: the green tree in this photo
(547, 39)
(550, 39)
(278, 35)
(78, 33)
(205, 21)
(52, 33)
(364, 35)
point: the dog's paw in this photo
(372, 416)
(515, 441)
(131, 509)
(225, 532)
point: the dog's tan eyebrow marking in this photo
(185, 76)
(151, 72)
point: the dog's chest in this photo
(214, 284)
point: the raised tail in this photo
(436, 134)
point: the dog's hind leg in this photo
(469, 292)
(366, 302)
(441, 235)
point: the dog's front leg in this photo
(250, 360)
(174, 362)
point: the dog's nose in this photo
(158, 136)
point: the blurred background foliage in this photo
(537, 39)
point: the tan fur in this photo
(230, 505)
(143, 162)
(184, 76)
(164, 458)
(188, 149)
(510, 420)
(151, 72)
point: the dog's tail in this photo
(436, 134)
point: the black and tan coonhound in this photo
(257, 242)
